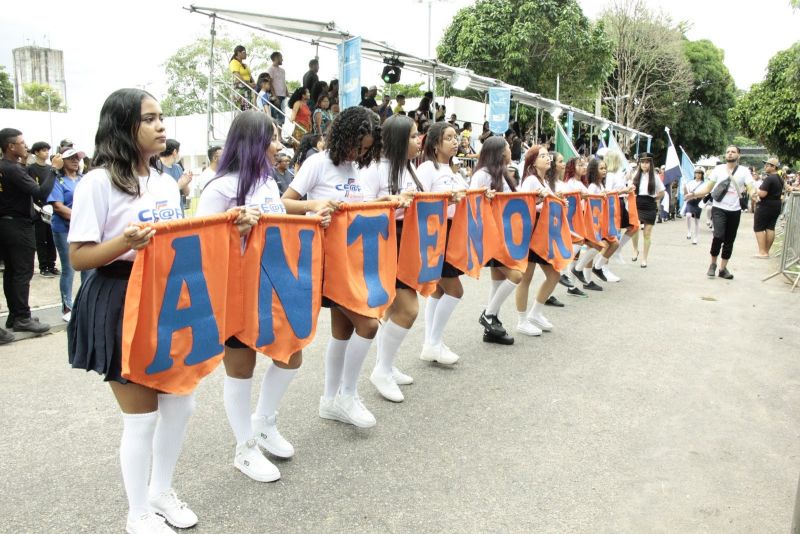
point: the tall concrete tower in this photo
(41, 65)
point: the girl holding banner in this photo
(332, 176)
(574, 172)
(597, 176)
(617, 182)
(111, 212)
(649, 191)
(244, 179)
(436, 174)
(392, 177)
(490, 174)
(533, 322)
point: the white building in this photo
(40, 65)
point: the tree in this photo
(770, 111)
(6, 89)
(409, 90)
(35, 98)
(528, 43)
(652, 76)
(187, 71)
(704, 127)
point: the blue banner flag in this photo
(499, 109)
(687, 172)
(349, 73)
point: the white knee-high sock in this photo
(391, 337)
(273, 387)
(430, 312)
(174, 412)
(334, 363)
(507, 287)
(585, 259)
(689, 223)
(236, 397)
(354, 356)
(495, 284)
(537, 310)
(443, 312)
(622, 242)
(135, 452)
(601, 262)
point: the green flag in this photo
(564, 143)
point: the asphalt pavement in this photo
(666, 403)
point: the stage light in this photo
(391, 72)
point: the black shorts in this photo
(399, 231)
(535, 258)
(448, 271)
(765, 217)
(647, 208)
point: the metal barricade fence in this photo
(790, 252)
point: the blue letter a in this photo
(187, 268)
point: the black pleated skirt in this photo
(647, 208)
(94, 332)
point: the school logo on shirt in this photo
(351, 188)
(270, 206)
(161, 212)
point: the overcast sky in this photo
(117, 44)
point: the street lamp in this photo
(49, 115)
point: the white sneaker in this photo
(386, 386)
(610, 277)
(269, 438)
(252, 463)
(148, 523)
(67, 316)
(527, 328)
(400, 378)
(353, 411)
(440, 354)
(329, 410)
(689, 235)
(174, 510)
(541, 322)
(694, 241)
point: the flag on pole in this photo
(687, 172)
(612, 141)
(570, 123)
(672, 168)
(602, 142)
(564, 144)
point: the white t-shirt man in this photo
(101, 212)
(742, 178)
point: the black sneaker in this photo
(46, 273)
(505, 339)
(565, 281)
(492, 324)
(599, 274)
(30, 324)
(6, 336)
(575, 292)
(55, 271)
(578, 275)
(723, 273)
(552, 301)
(592, 286)
(712, 270)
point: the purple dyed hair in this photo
(245, 152)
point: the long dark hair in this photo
(115, 141)
(239, 48)
(593, 172)
(550, 175)
(245, 152)
(491, 159)
(297, 95)
(651, 184)
(395, 133)
(433, 138)
(348, 130)
(307, 142)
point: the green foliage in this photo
(187, 71)
(527, 43)
(409, 90)
(704, 127)
(6, 89)
(35, 98)
(770, 111)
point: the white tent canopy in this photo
(328, 35)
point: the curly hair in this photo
(347, 132)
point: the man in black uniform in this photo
(45, 245)
(17, 237)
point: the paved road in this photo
(667, 404)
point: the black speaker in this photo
(391, 74)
